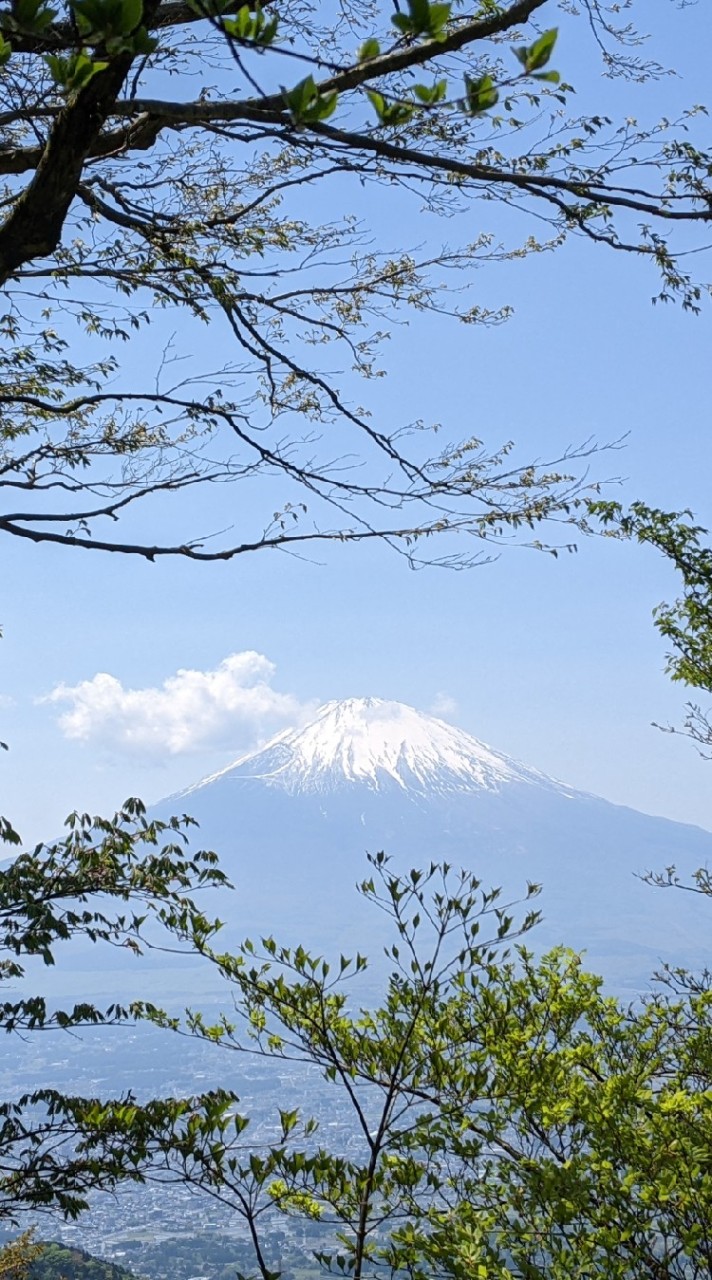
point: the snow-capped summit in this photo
(377, 743)
(292, 824)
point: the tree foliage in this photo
(509, 1118)
(125, 882)
(686, 624)
(18, 1256)
(170, 163)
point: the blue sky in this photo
(552, 660)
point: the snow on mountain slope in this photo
(377, 743)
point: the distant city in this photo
(162, 1229)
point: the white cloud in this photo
(232, 706)
(443, 705)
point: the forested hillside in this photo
(59, 1262)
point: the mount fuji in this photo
(373, 743)
(292, 823)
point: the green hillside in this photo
(60, 1262)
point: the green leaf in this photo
(57, 68)
(481, 94)
(430, 94)
(243, 23)
(377, 102)
(269, 31)
(97, 17)
(419, 14)
(142, 42)
(5, 50)
(307, 105)
(369, 49)
(251, 27)
(31, 15)
(131, 15)
(84, 26)
(423, 19)
(536, 55)
(44, 18)
(402, 23)
(288, 1120)
(326, 104)
(116, 24)
(299, 98)
(73, 73)
(439, 18)
(390, 113)
(540, 52)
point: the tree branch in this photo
(33, 227)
